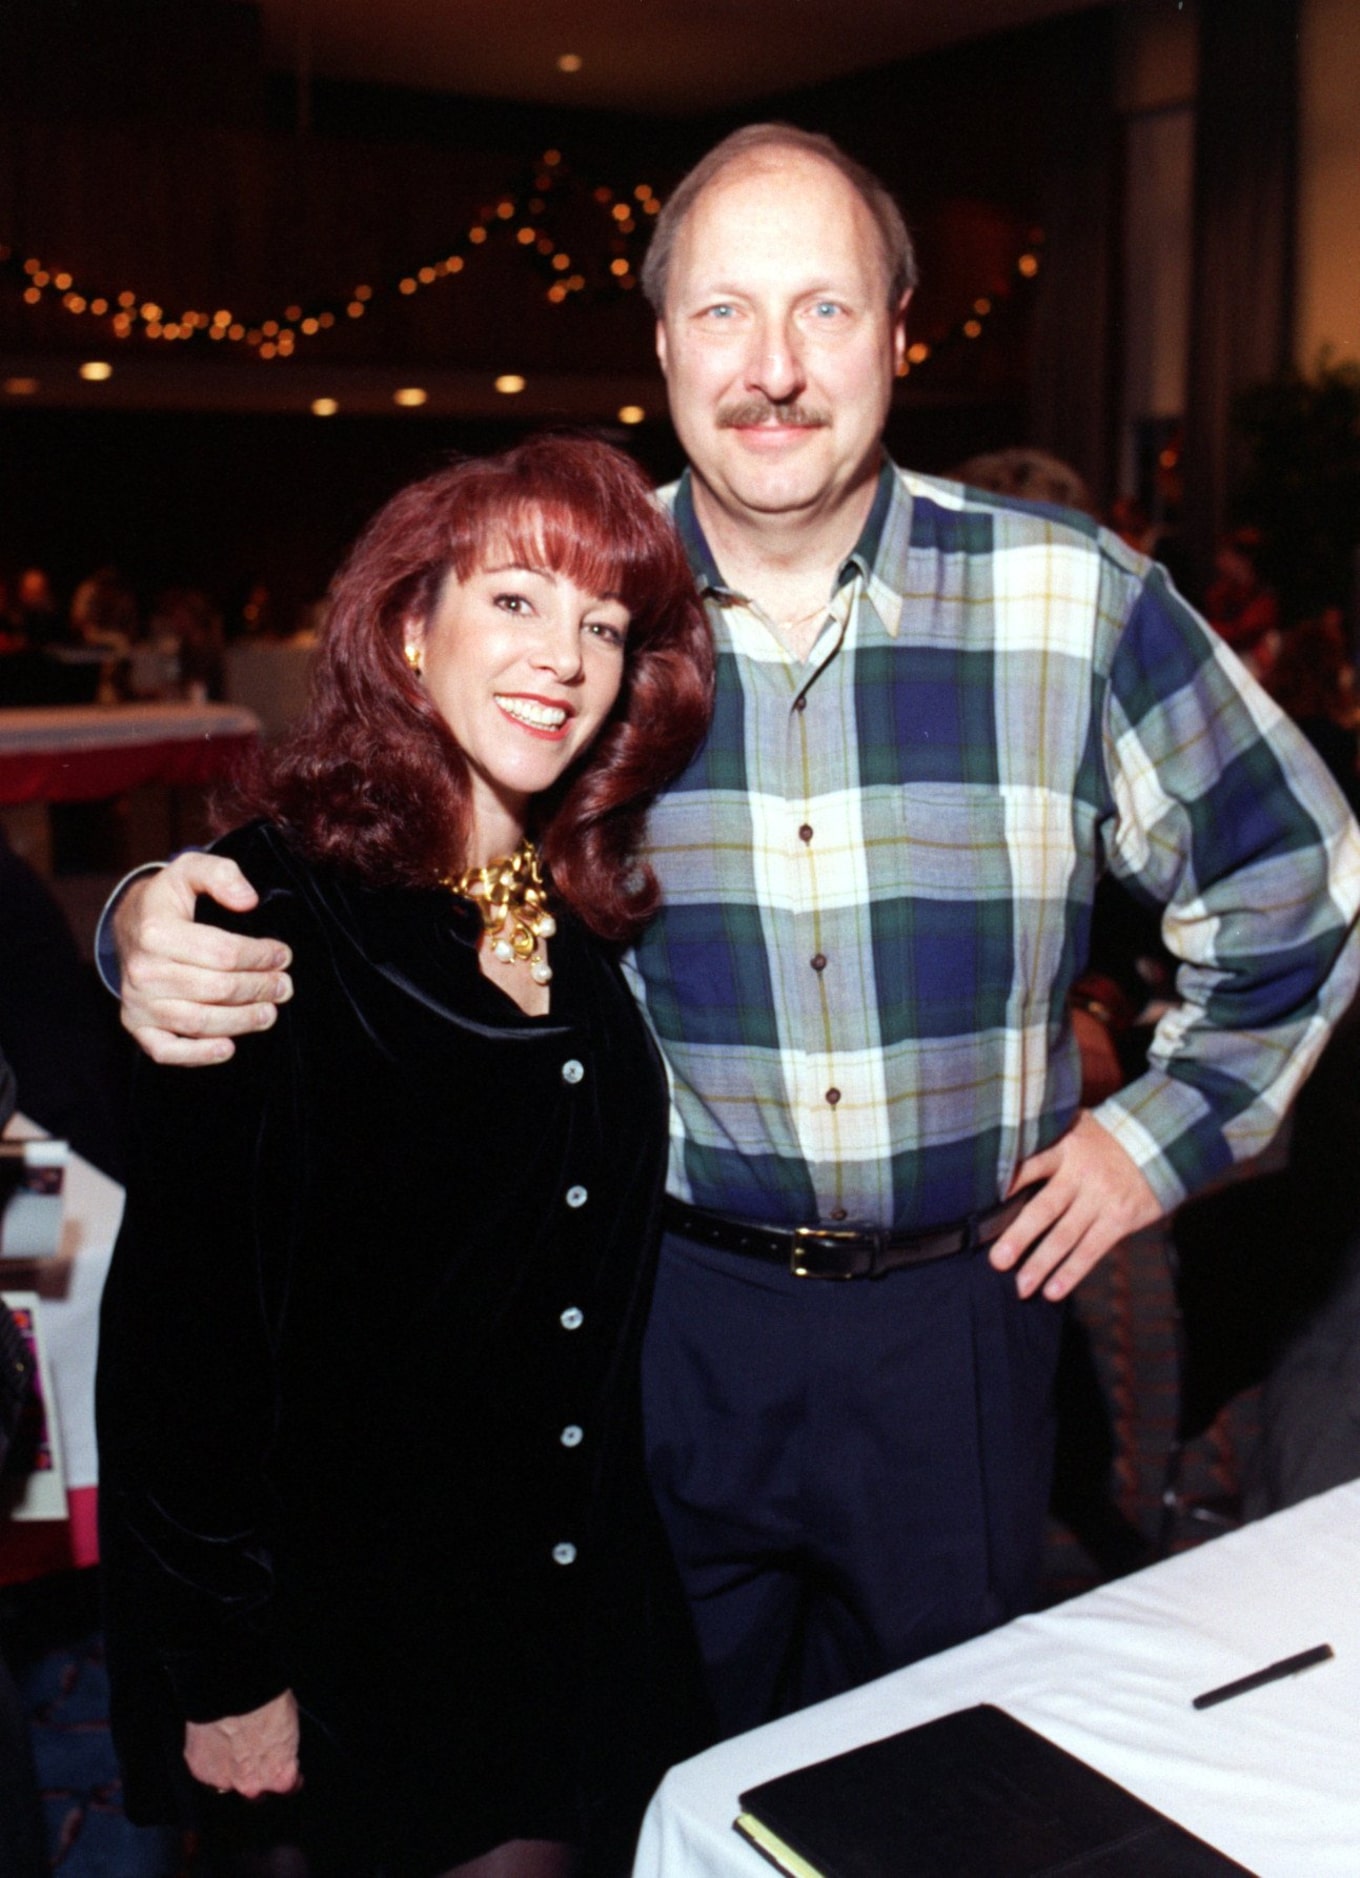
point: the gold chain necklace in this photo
(789, 625)
(512, 900)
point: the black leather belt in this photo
(854, 1250)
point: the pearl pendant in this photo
(540, 971)
(503, 950)
(546, 927)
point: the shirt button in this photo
(577, 1196)
(805, 832)
(837, 1212)
(571, 1318)
(800, 702)
(572, 1071)
(571, 1436)
(833, 1096)
(818, 961)
(564, 1554)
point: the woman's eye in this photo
(603, 629)
(512, 602)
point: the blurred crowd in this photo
(105, 645)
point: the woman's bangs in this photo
(560, 534)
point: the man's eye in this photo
(720, 312)
(828, 309)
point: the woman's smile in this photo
(524, 666)
(539, 715)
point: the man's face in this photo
(777, 342)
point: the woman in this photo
(374, 1509)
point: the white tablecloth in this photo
(1272, 1778)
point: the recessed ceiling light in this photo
(410, 396)
(21, 387)
(509, 382)
(569, 62)
(96, 370)
(324, 407)
(631, 414)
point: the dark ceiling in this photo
(672, 56)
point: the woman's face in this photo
(524, 667)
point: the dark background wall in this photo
(144, 146)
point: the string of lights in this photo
(972, 324)
(525, 219)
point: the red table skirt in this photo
(30, 1548)
(91, 775)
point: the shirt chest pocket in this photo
(971, 901)
(946, 843)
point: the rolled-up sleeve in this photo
(1222, 814)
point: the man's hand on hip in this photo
(188, 989)
(1092, 1197)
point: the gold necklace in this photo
(788, 625)
(512, 900)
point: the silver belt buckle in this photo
(814, 1248)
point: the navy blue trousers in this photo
(852, 1475)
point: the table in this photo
(1272, 1778)
(70, 1287)
(85, 752)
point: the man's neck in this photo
(787, 564)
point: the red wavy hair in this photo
(372, 780)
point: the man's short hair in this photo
(899, 256)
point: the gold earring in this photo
(415, 658)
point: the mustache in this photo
(749, 412)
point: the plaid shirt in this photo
(878, 873)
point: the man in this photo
(939, 716)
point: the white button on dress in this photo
(571, 1436)
(577, 1196)
(571, 1318)
(564, 1554)
(572, 1071)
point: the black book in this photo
(970, 1795)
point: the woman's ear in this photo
(413, 645)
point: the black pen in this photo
(1275, 1672)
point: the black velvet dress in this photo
(368, 1397)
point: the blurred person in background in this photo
(1239, 604)
(35, 614)
(1313, 680)
(104, 611)
(1033, 475)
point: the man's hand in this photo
(187, 989)
(1092, 1197)
(247, 1754)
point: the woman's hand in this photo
(247, 1754)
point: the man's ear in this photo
(661, 347)
(899, 331)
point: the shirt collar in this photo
(695, 542)
(862, 559)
